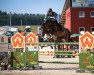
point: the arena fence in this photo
(21, 57)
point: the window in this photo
(92, 30)
(74, 0)
(92, 13)
(81, 14)
(81, 30)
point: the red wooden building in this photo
(79, 20)
(78, 16)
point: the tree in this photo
(28, 19)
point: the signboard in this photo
(17, 59)
(87, 41)
(82, 3)
(32, 58)
(17, 41)
(86, 61)
(22, 59)
(31, 38)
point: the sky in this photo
(31, 6)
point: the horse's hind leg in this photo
(51, 47)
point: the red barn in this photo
(80, 19)
(78, 16)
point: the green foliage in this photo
(27, 19)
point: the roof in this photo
(68, 3)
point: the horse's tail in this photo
(69, 34)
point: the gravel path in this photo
(51, 68)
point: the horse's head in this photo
(50, 26)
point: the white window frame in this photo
(91, 15)
(81, 32)
(92, 31)
(81, 16)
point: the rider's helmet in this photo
(50, 13)
(50, 10)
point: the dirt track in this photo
(50, 68)
(46, 71)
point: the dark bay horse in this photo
(52, 27)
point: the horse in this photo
(55, 29)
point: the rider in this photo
(51, 15)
